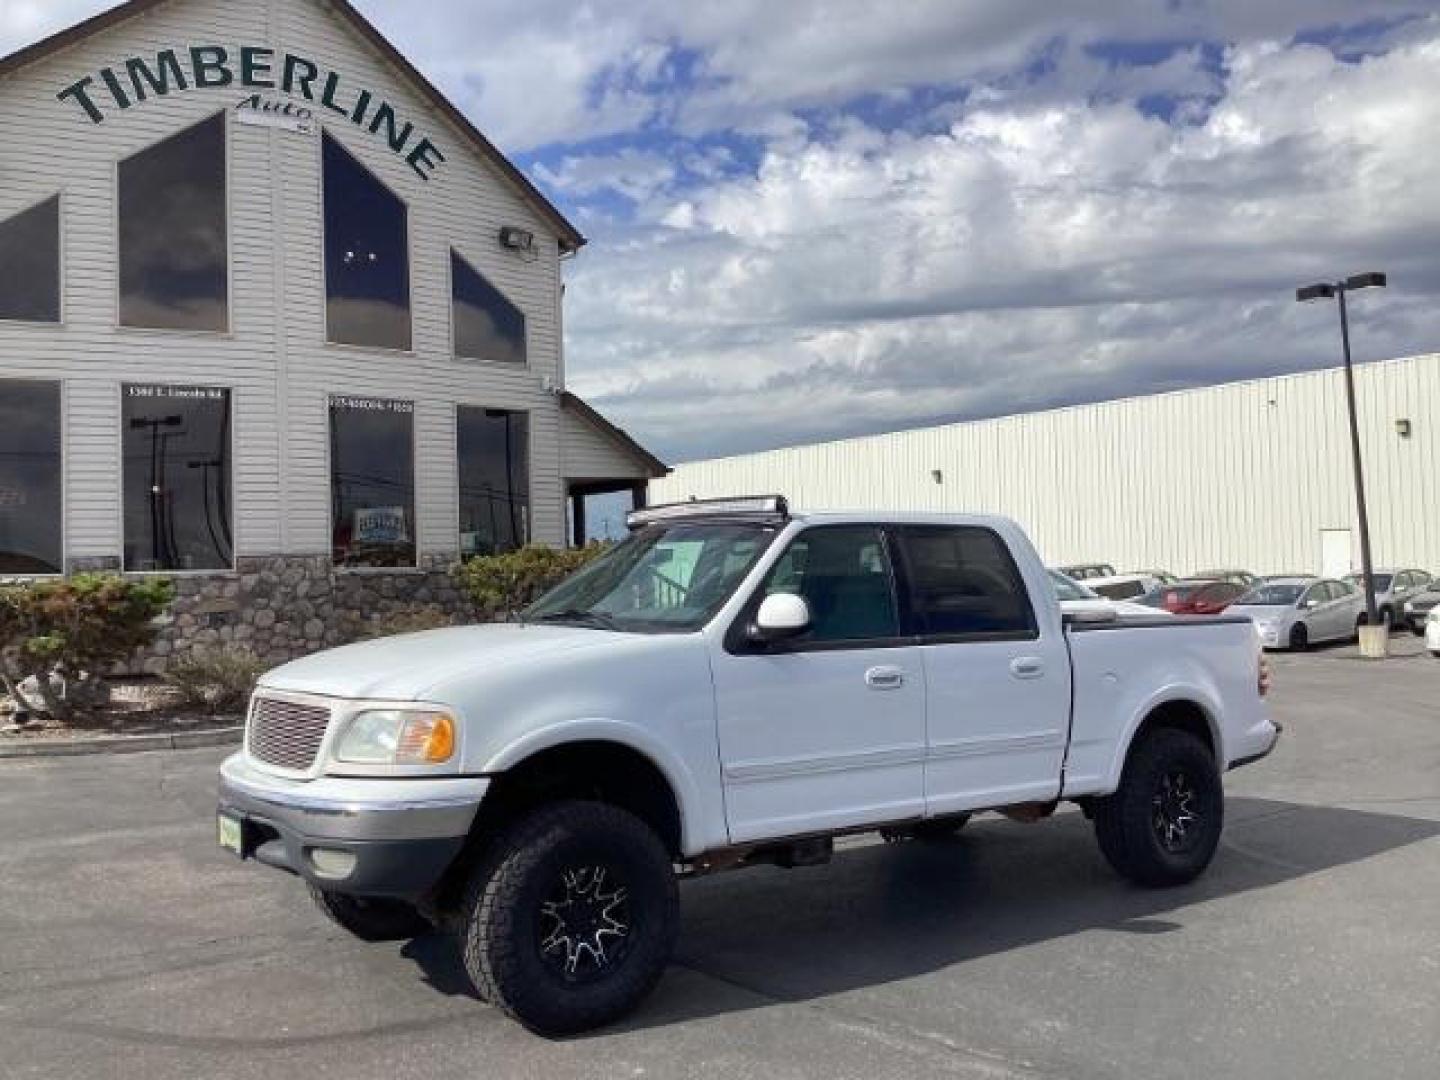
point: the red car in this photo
(1197, 597)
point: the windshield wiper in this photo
(578, 615)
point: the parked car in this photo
(1392, 589)
(536, 785)
(1086, 571)
(1075, 597)
(1295, 613)
(1432, 632)
(1191, 597)
(1418, 608)
(1124, 586)
(1237, 577)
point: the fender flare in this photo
(1185, 693)
(621, 733)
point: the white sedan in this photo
(1074, 596)
(1295, 613)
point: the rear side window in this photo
(961, 580)
(844, 576)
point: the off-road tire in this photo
(501, 919)
(1125, 822)
(937, 831)
(371, 919)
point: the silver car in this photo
(1392, 589)
(1295, 613)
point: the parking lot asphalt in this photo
(130, 946)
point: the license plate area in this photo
(230, 833)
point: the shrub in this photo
(408, 621)
(503, 584)
(75, 627)
(216, 680)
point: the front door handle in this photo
(884, 678)
(1027, 667)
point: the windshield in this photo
(1275, 594)
(663, 578)
(1065, 589)
(1382, 581)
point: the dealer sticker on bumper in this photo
(229, 833)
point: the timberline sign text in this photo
(210, 67)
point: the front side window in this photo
(372, 481)
(30, 264)
(174, 249)
(367, 255)
(662, 578)
(962, 580)
(493, 447)
(177, 477)
(30, 478)
(487, 326)
(844, 575)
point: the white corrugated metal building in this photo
(269, 301)
(1253, 475)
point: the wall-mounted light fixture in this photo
(1402, 428)
(517, 239)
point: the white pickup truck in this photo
(734, 684)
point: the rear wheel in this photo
(371, 919)
(570, 920)
(1299, 637)
(1162, 825)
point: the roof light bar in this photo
(767, 505)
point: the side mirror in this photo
(781, 616)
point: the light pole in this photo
(1323, 291)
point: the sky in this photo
(810, 219)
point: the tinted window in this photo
(493, 447)
(963, 581)
(487, 326)
(367, 255)
(372, 482)
(173, 245)
(844, 576)
(30, 264)
(177, 477)
(30, 478)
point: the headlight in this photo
(1410, 606)
(389, 736)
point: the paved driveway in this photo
(130, 947)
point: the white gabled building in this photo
(274, 317)
(1253, 475)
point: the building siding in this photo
(274, 356)
(1244, 475)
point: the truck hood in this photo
(407, 667)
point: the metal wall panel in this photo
(1244, 475)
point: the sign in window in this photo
(372, 482)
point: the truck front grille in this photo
(285, 733)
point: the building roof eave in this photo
(622, 439)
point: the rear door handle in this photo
(884, 678)
(1027, 667)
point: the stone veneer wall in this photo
(282, 607)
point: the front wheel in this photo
(1162, 825)
(571, 918)
(1299, 637)
(371, 919)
